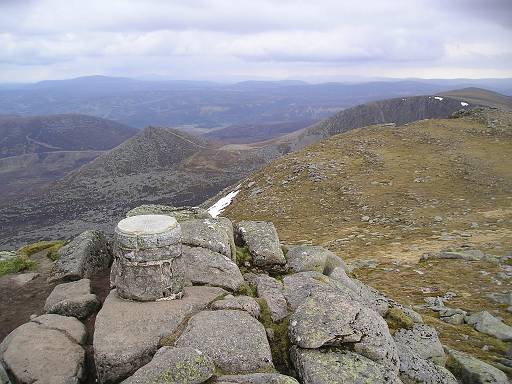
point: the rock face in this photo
(328, 319)
(424, 341)
(312, 258)
(212, 234)
(339, 367)
(256, 378)
(205, 267)
(128, 333)
(262, 240)
(244, 303)
(470, 370)
(45, 350)
(174, 365)
(486, 323)
(271, 290)
(148, 261)
(86, 255)
(235, 341)
(72, 299)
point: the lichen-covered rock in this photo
(423, 340)
(486, 323)
(256, 378)
(86, 255)
(72, 299)
(327, 318)
(45, 350)
(4, 379)
(339, 367)
(470, 370)
(244, 303)
(207, 233)
(271, 290)
(128, 333)
(235, 341)
(415, 369)
(175, 365)
(179, 213)
(205, 267)
(262, 240)
(304, 258)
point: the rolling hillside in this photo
(481, 96)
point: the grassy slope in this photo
(402, 178)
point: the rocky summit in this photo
(252, 311)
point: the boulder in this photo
(235, 341)
(128, 333)
(486, 323)
(243, 303)
(423, 340)
(72, 299)
(415, 369)
(175, 365)
(205, 267)
(179, 213)
(335, 366)
(312, 258)
(271, 290)
(45, 350)
(212, 234)
(4, 379)
(256, 378)
(502, 298)
(262, 240)
(86, 255)
(470, 370)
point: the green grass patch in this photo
(30, 249)
(246, 289)
(17, 264)
(243, 256)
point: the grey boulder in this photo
(179, 213)
(271, 290)
(86, 255)
(174, 365)
(243, 303)
(470, 370)
(329, 319)
(127, 333)
(205, 267)
(304, 258)
(423, 340)
(45, 350)
(212, 234)
(235, 341)
(486, 323)
(333, 366)
(256, 378)
(72, 299)
(262, 240)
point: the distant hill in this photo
(482, 97)
(67, 132)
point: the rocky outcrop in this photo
(256, 378)
(262, 241)
(244, 303)
(235, 341)
(305, 258)
(271, 291)
(423, 340)
(486, 323)
(212, 234)
(72, 299)
(84, 256)
(470, 370)
(48, 349)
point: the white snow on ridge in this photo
(438, 98)
(216, 209)
(464, 104)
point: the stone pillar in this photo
(148, 263)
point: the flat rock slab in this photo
(328, 319)
(45, 350)
(304, 258)
(470, 370)
(86, 255)
(211, 234)
(205, 267)
(243, 303)
(256, 378)
(423, 340)
(235, 341)
(128, 333)
(486, 323)
(72, 299)
(339, 367)
(174, 365)
(262, 240)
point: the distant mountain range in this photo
(203, 105)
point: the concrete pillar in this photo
(148, 263)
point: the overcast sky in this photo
(224, 40)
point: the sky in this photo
(232, 40)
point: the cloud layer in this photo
(236, 39)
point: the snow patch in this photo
(438, 98)
(216, 209)
(464, 104)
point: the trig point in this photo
(148, 263)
